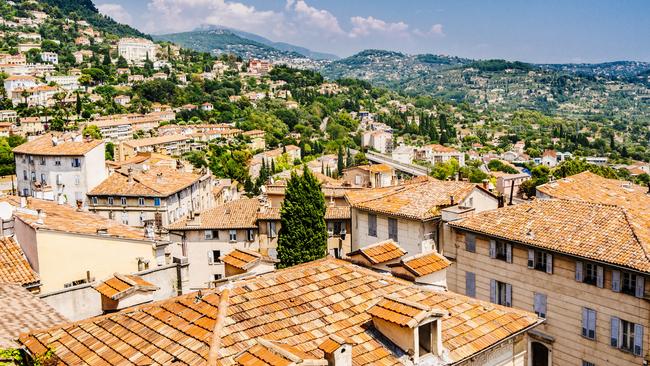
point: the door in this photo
(540, 354)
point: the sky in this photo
(549, 31)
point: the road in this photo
(411, 169)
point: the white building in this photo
(136, 50)
(50, 57)
(436, 153)
(403, 154)
(380, 141)
(18, 81)
(60, 167)
(66, 82)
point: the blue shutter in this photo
(585, 321)
(600, 276)
(540, 305)
(531, 258)
(470, 242)
(508, 294)
(640, 286)
(470, 284)
(614, 332)
(493, 291)
(579, 271)
(592, 324)
(509, 253)
(616, 281)
(493, 249)
(638, 339)
(549, 263)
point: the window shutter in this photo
(470, 284)
(493, 249)
(549, 263)
(640, 286)
(585, 321)
(592, 324)
(540, 305)
(531, 258)
(578, 271)
(508, 294)
(470, 242)
(600, 276)
(638, 339)
(509, 253)
(616, 281)
(614, 331)
(493, 291)
(210, 257)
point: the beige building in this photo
(326, 312)
(580, 265)
(411, 214)
(173, 145)
(67, 247)
(136, 50)
(370, 176)
(208, 235)
(436, 153)
(152, 196)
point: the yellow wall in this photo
(64, 257)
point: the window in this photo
(372, 225)
(539, 305)
(627, 336)
(109, 200)
(42, 160)
(94, 199)
(629, 283)
(470, 284)
(500, 250)
(25, 174)
(77, 180)
(141, 201)
(233, 235)
(587, 363)
(540, 260)
(590, 273)
(123, 201)
(211, 234)
(43, 180)
(33, 176)
(213, 256)
(357, 180)
(272, 230)
(217, 277)
(57, 162)
(156, 201)
(392, 229)
(76, 162)
(125, 218)
(500, 293)
(589, 323)
(250, 235)
(470, 242)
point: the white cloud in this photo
(115, 11)
(436, 30)
(362, 27)
(310, 17)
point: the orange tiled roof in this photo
(157, 181)
(267, 353)
(402, 312)
(20, 311)
(150, 141)
(420, 200)
(14, 267)
(65, 146)
(121, 285)
(441, 148)
(588, 230)
(425, 263)
(244, 259)
(237, 214)
(67, 219)
(331, 213)
(381, 252)
(299, 306)
(375, 168)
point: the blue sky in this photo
(533, 31)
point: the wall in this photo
(565, 300)
(83, 301)
(65, 257)
(25, 235)
(510, 353)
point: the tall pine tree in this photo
(340, 164)
(303, 233)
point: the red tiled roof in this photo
(381, 252)
(14, 267)
(121, 285)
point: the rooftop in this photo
(441, 148)
(420, 200)
(14, 267)
(424, 264)
(381, 252)
(245, 259)
(67, 219)
(237, 214)
(150, 141)
(58, 145)
(402, 312)
(156, 181)
(375, 168)
(121, 285)
(588, 230)
(300, 306)
(20, 311)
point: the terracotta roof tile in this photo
(121, 285)
(299, 307)
(157, 181)
(65, 146)
(441, 148)
(21, 311)
(268, 353)
(241, 258)
(402, 312)
(237, 214)
(425, 263)
(381, 252)
(331, 213)
(14, 267)
(419, 200)
(588, 230)
(150, 141)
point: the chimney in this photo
(159, 177)
(485, 183)
(41, 217)
(338, 352)
(648, 187)
(451, 199)
(23, 201)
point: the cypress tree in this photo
(303, 233)
(340, 163)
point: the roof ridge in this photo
(632, 226)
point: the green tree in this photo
(109, 150)
(303, 234)
(340, 164)
(92, 131)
